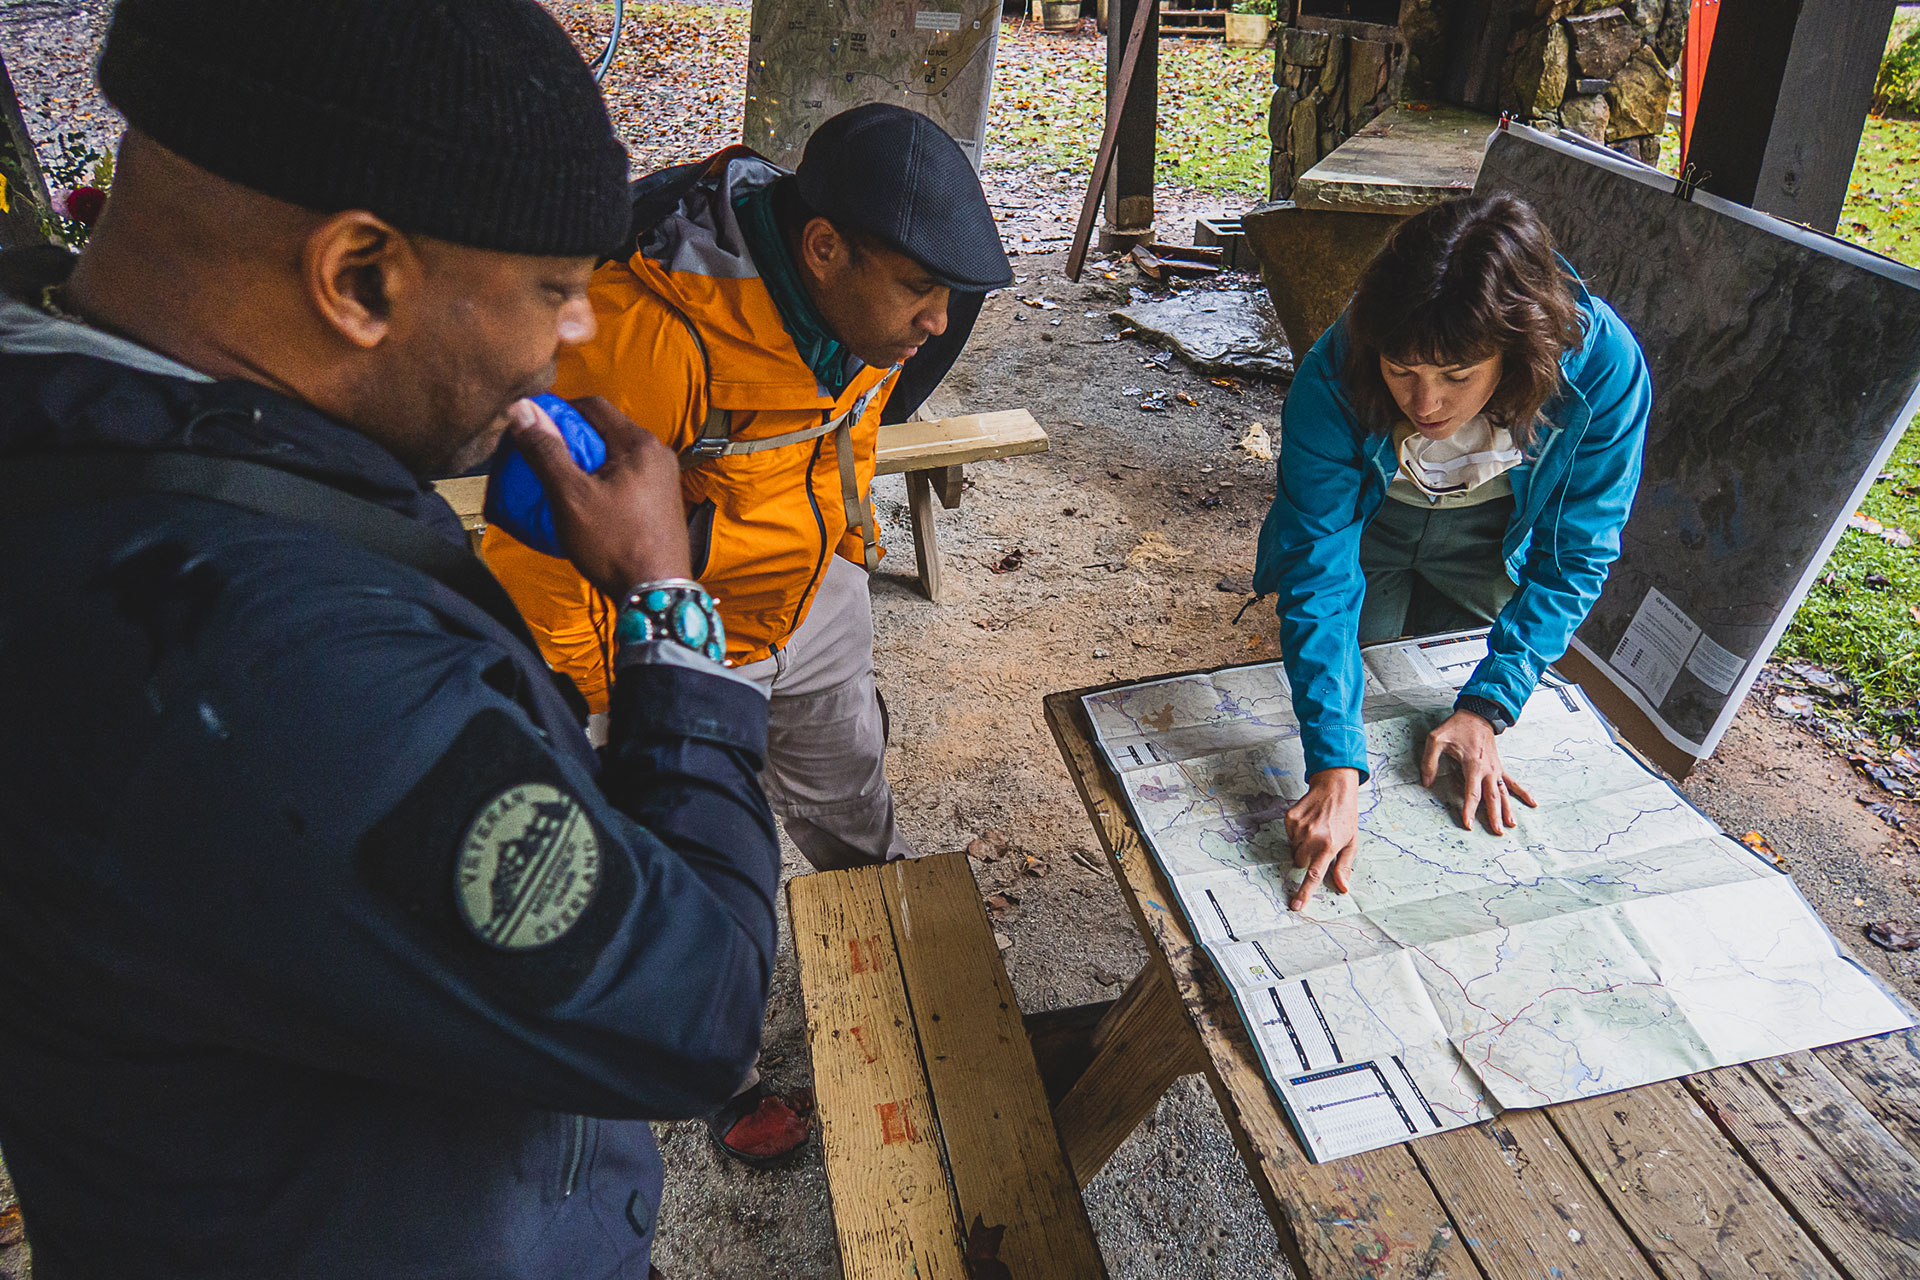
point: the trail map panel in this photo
(1785, 366)
(1613, 938)
(811, 59)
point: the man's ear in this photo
(355, 267)
(822, 247)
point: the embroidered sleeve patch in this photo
(528, 867)
(497, 865)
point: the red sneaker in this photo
(759, 1128)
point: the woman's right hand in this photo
(1324, 828)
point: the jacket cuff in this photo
(669, 700)
(1345, 751)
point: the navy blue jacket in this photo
(249, 1027)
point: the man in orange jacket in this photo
(758, 328)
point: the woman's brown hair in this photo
(1453, 285)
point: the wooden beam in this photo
(1142, 1045)
(892, 1207)
(926, 547)
(1110, 133)
(1005, 1158)
(1129, 195)
(951, 442)
(1784, 101)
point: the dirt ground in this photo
(1136, 533)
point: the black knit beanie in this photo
(473, 121)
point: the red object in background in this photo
(84, 204)
(1701, 16)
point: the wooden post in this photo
(26, 201)
(1784, 101)
(1129, 193)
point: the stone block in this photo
(1304, 48)
(1333, 69)
(1586, 115)
(1310, 259)
(1671, 40)
(1645, 149)
(1589, 86)
(1637, 98)
(1369, 63)
(1602, 43)
(1303, 137)
(1537, 78)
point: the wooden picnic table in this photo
(1806, 1165)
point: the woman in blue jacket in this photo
(1460, 448)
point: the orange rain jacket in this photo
(768, 519)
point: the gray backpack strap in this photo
(712, 440)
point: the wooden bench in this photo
(933, 1119)
(930, 453)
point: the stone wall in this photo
(1325, 87)
(1599, 69)
(1602, 68)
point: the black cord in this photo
(601, 67)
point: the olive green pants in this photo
(1433, 571)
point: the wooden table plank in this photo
(1005, 1157)
(892, 1208)
(1402, 160)
(1852, 1184)
(1524, 1206)
(1694, 1205)
(1884, 1075)
(949, 442)
(1365, 1218)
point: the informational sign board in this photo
(809, 59)
(1785, 366)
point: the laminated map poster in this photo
(1785, 366)
(1613, 938)
(810, 59)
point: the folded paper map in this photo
(1613, 938)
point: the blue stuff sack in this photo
(515, 500)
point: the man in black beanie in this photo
(323, 932)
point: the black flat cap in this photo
(896, 175)
(473, 121)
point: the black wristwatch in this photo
(1487, 709)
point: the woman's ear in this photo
(355, 267)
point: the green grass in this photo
(1046, 110)
(1860, 619)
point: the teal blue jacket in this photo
(1571, 498)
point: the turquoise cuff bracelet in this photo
(677, 610)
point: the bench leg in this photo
(926, 549)
(1141, 1046)
(949, 482)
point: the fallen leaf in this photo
(1894, 935)
(982, 1255)
(1762, 846)
(1257, 443)
(12, 1230)
(1793, 704)
(1037, 867)
(1009, 562)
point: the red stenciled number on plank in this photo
(895, 1124)
(860, 1038)
(866, 953)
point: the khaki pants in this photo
(827, 732)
